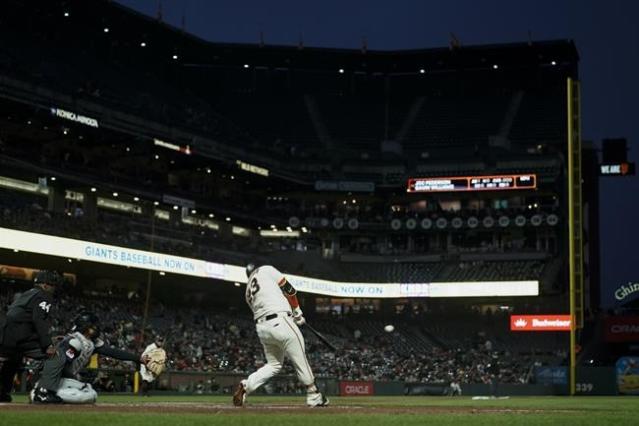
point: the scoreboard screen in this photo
(472, 183)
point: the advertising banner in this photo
(540, 323)
(356, 388)
(628, 375)
(622, 329)
(122, 256)
(344, 186)
(551, 375)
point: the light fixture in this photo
(93, 189)
(341, 70)
(495, 66)
(208, 170)
(162, 273)
(236, 284)
(136, 199)
(175, 207)
(53, 178)
(156, 203)
(193, 211)
(128, 149)
(228, 219)
(211, 215)
(66, 14)
(422, 71)
(106, 29)
(143, 44)
(175, 56)
(246, 65)
(157, 157)
(16, 250)
(115, 194)
(65, 131)
(553, 63)
(70, 260)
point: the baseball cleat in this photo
(239, 397)
(44, 396)
(316, 399)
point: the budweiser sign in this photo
(356, 388)
(622, 329)
(540, 323)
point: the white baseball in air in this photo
(389, 328)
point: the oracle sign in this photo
(356, 388)
(540, 323)
(622, 329)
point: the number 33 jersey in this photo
(263, 294)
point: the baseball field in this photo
(369, 411)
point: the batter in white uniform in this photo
(277, 315)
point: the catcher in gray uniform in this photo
(59, 378)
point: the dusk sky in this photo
(606, 34)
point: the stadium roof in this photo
(133, 27)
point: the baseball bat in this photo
(321, 337)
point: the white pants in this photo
(146, 375)
(281, 338)
(75, 392)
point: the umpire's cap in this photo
(250, 268)
(53, 278)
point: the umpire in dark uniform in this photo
(25, 329)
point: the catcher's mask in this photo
(250, 268)
(86, 322)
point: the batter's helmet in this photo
(53, 278)
(250, 268)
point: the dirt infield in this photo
(228, 409)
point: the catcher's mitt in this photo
(156, 361)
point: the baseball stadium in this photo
(196, 232)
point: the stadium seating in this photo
(224, 341)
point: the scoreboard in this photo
(472, 183)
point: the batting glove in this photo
(298, 316)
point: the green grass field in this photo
(368, 411)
